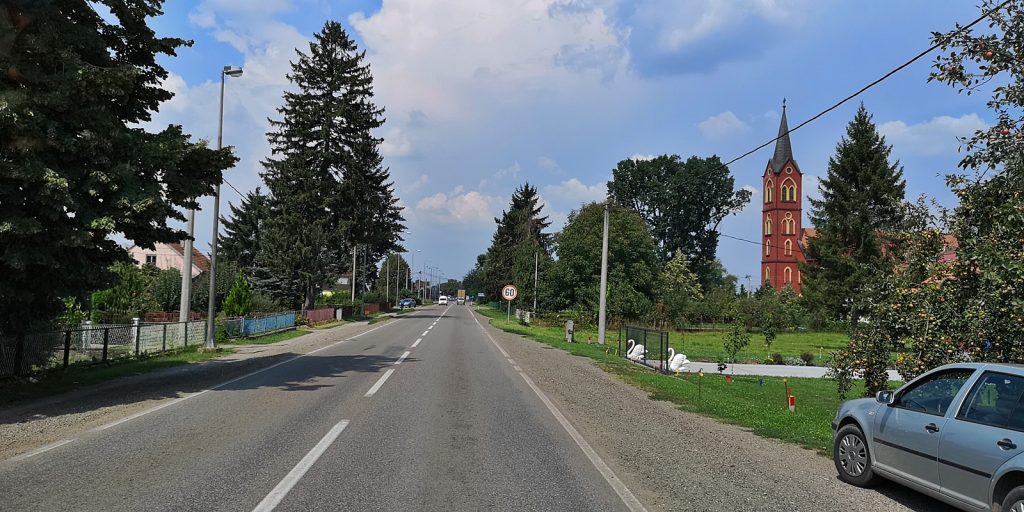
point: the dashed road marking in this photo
(405, 355)
(380, 382)
(278, 493)
(417, 342)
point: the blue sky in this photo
(484, 95)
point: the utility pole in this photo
(353, 298)
(387, 281)
(536, 259)
(186, 270)
(602, 315)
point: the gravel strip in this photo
(676, 460)
(27, 426)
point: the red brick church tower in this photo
(783, 237)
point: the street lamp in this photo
(212, 310)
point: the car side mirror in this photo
(885, 397)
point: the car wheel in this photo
(852, 458)
(1014, 501)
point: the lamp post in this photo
(212, 309)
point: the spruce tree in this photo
(76, 165)
(861, 199)
(243, 230)
(519, 234)
(329, 191)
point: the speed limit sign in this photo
(509, 292)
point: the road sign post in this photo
(509, 293)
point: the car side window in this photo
(933, 394)
(995, 400)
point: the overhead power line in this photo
(860, 91)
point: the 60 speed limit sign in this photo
(509, 292)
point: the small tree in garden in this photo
(735, 340)
(239, 301)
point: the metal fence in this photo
(655, 346)
(267, 323)
(95, 343)
(316, 316)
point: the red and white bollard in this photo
(792, 403)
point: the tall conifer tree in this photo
(329, 191)
(519, 234)
(243, 230)
(861, 199)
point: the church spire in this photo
(783, 148)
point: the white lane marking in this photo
(405, 355)
(516, 368)
(490, 337)
(431, 327)
(380, 382)
(631, 502)
(293, 476)
(424, 333)
(511, 361)
(417, 342)
(232, 381)
(37, 451)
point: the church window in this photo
(767, 247)
(768, 191)
(788, 274)
(789, 248)
(767, 275)
(788, 225)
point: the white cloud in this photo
(458, 207)
(753, 197)
(724, 124)
(501, 178)
(934, 137)
(574, 191)
(395, 143)
(549, 165)
(638, 157)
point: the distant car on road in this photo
(955, 433)
(460, 300)
(442, 300)
(407, 303)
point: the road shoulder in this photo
(676, 460)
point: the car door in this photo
(984, 434)
(906, 434)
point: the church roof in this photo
(783, 147)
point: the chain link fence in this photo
(94, 343)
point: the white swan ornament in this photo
(636, 352)
(677, 362)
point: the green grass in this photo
(59, 381)
(745, 402)
(326, 325)
(707, 346)
(270, 338)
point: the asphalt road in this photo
(425, 412)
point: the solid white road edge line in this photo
(405, 355)
(293, 476)
(620, 488)
(490, 337)
(380, 382)
(417, 342)
(39, 450)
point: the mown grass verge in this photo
(59, 381)
(757, 403)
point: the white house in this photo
(166, 256)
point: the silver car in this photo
(955, 433)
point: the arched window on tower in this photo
(789, 248)
(767, 247)
(768, 186)
(768, 226)
(767, 275)
(788, 225)
(788, 275)
(789, 191)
